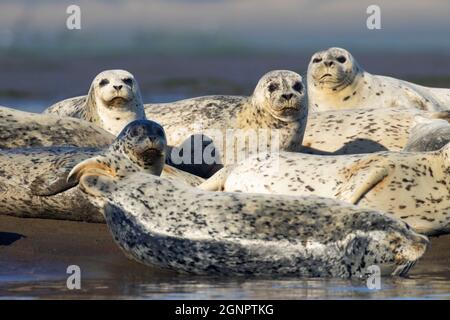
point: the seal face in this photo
(113, 101)
(410, 186)
(19, 129)
(277, 110)
(356, 131)
(337, 81)
(162, 223)
(33, 181)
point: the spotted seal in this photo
(412, 186)
(168, 225)
(357, 131)
(337, 81)
(428, 135)
(20, 129)
(113, 101)
(278, 105)
(33, 180)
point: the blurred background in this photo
(184, 48)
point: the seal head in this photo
(282, 94)
(333, 69)
(140, 146)
(114, 100)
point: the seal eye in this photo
(317, 60)
(297, 86)
(128, 82)
(159, 131)
(103, 83)
(272, 87)
(341, 59)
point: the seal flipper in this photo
(50, 184)
(361, 182)
(54, 180)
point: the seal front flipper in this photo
(51, 183)
(53, 180)
(361, 181)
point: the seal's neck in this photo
(338, 97)
(289, 131)
(125, 164)
(114, 119)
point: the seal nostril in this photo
(287, 96)
(118, 87)
(328, 63)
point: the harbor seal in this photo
(164, 224)
(113, 101)
(410, 186)
(277, 110)
(428, 135)
(336, 81)
(358, 131)
(19, 129)
(33, 180)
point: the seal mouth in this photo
(326, 75)
(289, 108)
(117, 101)
(119, 98)
(151, 152)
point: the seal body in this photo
(274, 117)
(33, 181)
(358, 131)
(24, 129)
(337, 81)
(113, 101)
(428, 135)
(161, 223)
(24, 171)
(410, 186)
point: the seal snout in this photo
(412, 250)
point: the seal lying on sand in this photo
(337, 81)
(29, 176)
(410, 186)
(165, 224)
(113, 101)
(24, 129)
(428, 135)
(358, 131)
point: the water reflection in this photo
(183, 287)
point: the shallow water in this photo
(189, 287)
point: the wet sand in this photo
(34, 255)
